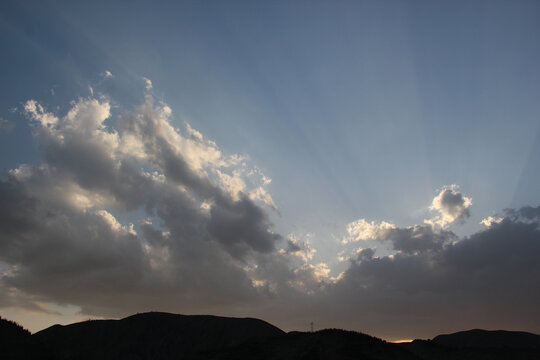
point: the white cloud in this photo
(300, 249)
(310, 278)
(87, 117)
(148, 83)
(232, 183)
(430, 236)
(116, 227)
(261, 194)
(451, 205)
(363, 230)
(490, 220)
(37, 113)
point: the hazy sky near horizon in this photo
(360, 164)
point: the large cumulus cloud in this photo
(192, 237)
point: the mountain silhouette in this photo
(478, 338)
(151, 336)
(164, 336)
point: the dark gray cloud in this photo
(417, 238)
(527, 213)
(293, 246)
(489, 279)
(65, 257)
(241, 225)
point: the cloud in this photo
(299, 249)
(526, 213)
(363, 230)
(234, 184)
(451, 205)
(407, 239)
(37, 113)
(435, 280)
(432, 235)
(261, 194)
(490, 220)
(5, 125)
(148, 83)
(488, 279)
(62, 238)
(418, 238)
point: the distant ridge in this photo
(478, 338)
(478, 344)
(164, 336)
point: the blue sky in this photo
(355, 110)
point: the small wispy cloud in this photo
(148, 83)
(490, 220)
(5, 125)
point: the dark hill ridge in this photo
(151, 336)
(478, 338)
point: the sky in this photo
(364, 165)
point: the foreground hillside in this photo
(324, 344)
(169, 336)
(13, 337)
